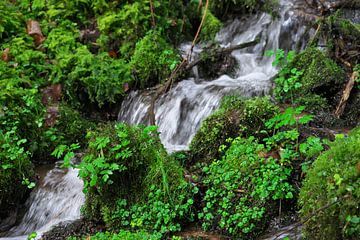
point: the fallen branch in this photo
(223, 51)
(346, 94)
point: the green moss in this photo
(319, 70)
(211, 26)
(153, 60)
(235, 117)
(71, 126)
(333, 181)
(309, 78)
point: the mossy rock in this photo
(130, 183)
(333, 183)
(319, 72)
(235, 117)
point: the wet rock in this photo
(77, 228)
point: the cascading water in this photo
(57, 198)
(178, 113)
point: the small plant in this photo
(288, 80)
(32, 236)
(241, 188)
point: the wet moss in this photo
(333, 185)
(210, 28)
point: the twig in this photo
(346, 94)
(168, 83)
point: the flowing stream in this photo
(179, 113)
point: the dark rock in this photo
(77, 228)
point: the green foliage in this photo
(153, 60)
(242, 188)
(15, 171)
(102, 76)
(11, 21)
(32, 236)
(235, 117)
(333, 181)
(160, 213)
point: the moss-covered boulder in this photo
(331, 191)
(130, 181)
(235, 117)
(319, 70)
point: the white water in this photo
(57, 199)
(178, 113)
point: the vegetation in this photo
(244, 186)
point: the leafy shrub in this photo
(153, 60)
(235, 117)
(16, 170)
(333, 184)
